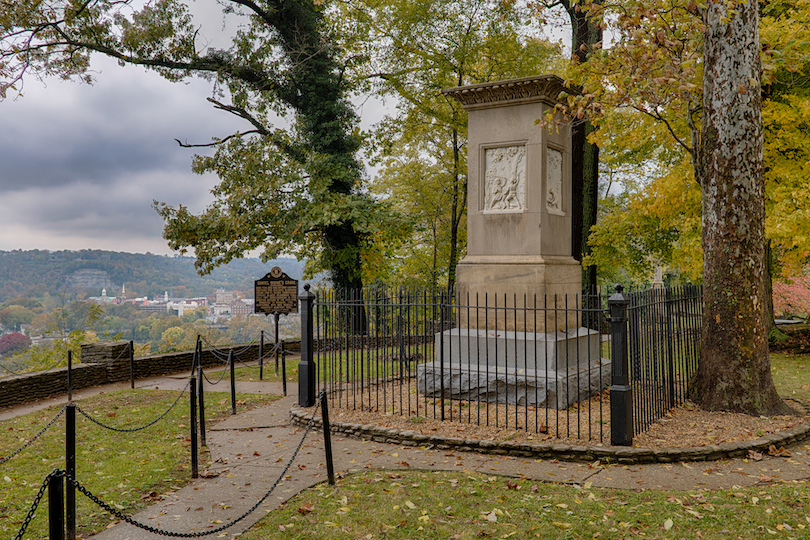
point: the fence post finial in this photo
(621, 392)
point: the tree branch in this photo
(217, 143)
(666, 123)
(292, 151)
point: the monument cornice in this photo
(545, 88)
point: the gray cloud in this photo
(126, 122)
(80, 165)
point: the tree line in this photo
(39, 273)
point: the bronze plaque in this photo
(276, 292)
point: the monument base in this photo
(493, 291)
(555, 369)
(555, 390)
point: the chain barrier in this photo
(132, 430)
(33, 510)
(120, 515)
(215, 351)
(222, 376)
(35, 437)
(9, 371)
(269, 354)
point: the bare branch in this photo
(218, 142)
(294, 152)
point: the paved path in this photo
(250, 450)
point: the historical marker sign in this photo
(276, 292)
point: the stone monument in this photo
(518, 252)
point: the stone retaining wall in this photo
(112, 367)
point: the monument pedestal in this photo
(553, 370)
(551, 285)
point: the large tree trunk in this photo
(585, 156)
(734, 370)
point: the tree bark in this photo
(734, 368)
(458, 206)
(585, 156)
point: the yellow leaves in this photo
(668, 524)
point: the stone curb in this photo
(565, 452)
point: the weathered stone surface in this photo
(558, 389)
(539, 351)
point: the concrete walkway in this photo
(251, 449)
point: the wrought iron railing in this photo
(544, 365)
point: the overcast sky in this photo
(80, 165)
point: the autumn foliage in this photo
(791, 297)
(13, 343)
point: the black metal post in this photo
(233, 381)
(670, 348)
(132, 365)
(441, 354)
(275, 321)
(70, 469)
(621, 392)
(201, 396)
(283, 369)
(327, 440)
(56, 508)
(69, 373)
(306, 367)
(193, 406)
(261, 354)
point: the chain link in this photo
(35, 437)
(222, 376)
(213, 349)
(132, 430)
(8, 370)
(120, 515)
(33, 510)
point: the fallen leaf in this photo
(305, 508)
(668, 524)
(782, 452)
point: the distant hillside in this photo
(33, 273)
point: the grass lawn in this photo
(251, 373)
(791, 374)
(127, 470)
(456, 505)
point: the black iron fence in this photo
(546, 365)
(664, 328)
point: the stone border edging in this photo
(626, 455)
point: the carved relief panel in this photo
(554, 181)
(505, 179)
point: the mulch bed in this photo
(585, 423)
